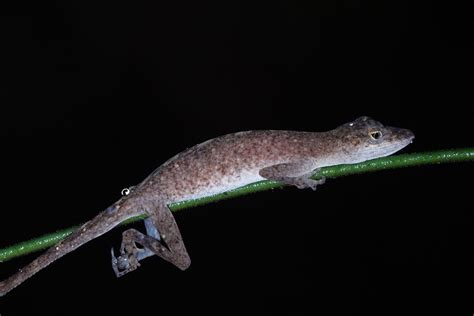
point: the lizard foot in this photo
(303, 183)
(125, 263)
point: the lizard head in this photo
(365, 138)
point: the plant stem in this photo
(391, 162)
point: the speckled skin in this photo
(215, 166)
(234, 160)
(231, 161)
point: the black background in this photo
(94, 96)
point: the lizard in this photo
(212, 167)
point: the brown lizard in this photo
(215, 166)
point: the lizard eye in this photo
(375, 135)
(125, 191)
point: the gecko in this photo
(216, 166)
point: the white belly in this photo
(225, 184)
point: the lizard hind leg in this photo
(152, 231)
(167, 245)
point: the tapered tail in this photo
(99, 225)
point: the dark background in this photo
(95, 96)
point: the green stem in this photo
(391, 162)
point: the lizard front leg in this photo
(296, 173)
(163, 239)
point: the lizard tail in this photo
(99, 225)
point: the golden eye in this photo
(375, 135)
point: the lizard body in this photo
(215, 166)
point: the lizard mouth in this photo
(396, 146)
(399, 138)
